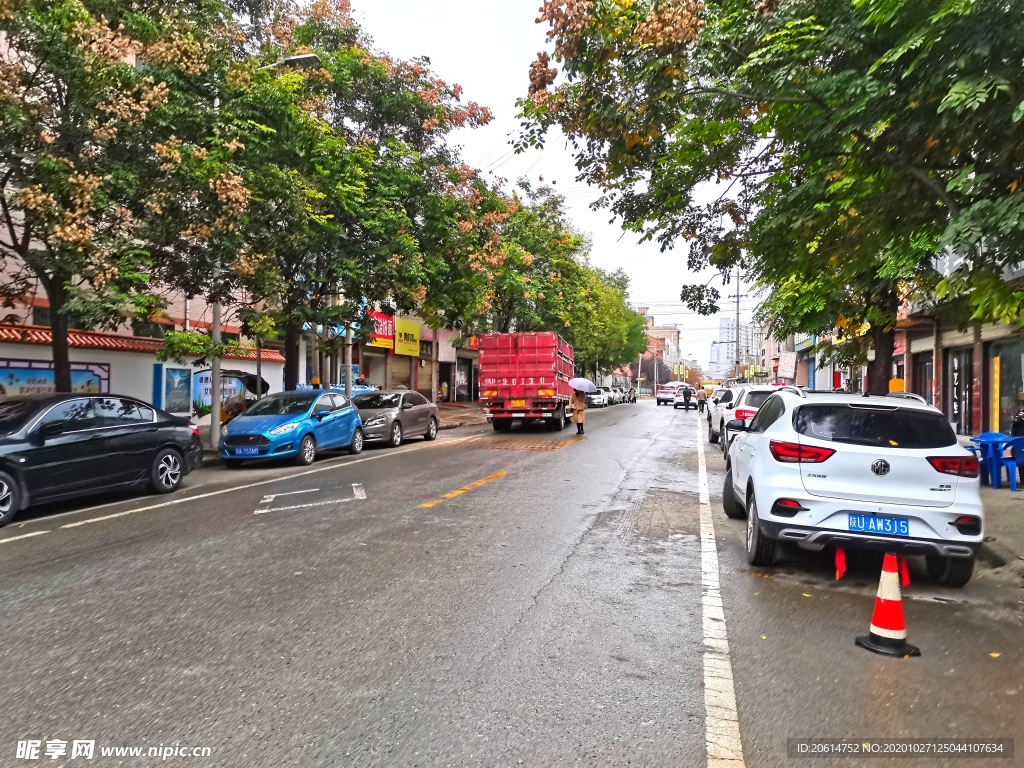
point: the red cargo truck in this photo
(525, 377)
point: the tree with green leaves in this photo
(849, 143)
(89, 94)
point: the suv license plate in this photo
(518, 404)
(247, 451)
(889, 525)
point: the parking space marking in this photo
(270, 497)
(301, 506)
(357, 494)
(235, 489)
(463, 489)
(23, 536)
(721, 717)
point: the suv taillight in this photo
(745, 413)
(794, 453)
(195, 430)
(961, 466)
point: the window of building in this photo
(41, 316)
(149, 330)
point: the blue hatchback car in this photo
(292, 424)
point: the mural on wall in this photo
(178, 390)
(35, 377)
(232, 392)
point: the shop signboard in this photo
(383, 335)
(407, 337)
(787, 365)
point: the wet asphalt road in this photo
(551, 615)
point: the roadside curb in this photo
(997, 555)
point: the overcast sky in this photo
(487, 47)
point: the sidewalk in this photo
(462, 415)
(1004, 533)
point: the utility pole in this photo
(737, 320)
(639, 366)
(348, 360)
(215, 379)
(259, 368)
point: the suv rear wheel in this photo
(760, 549)
(712, 437)
(730, 504)
(950, 571)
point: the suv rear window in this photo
(877, 427)
(756, 399)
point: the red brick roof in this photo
(43, 336)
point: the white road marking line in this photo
(302, 506)
(270, 497)
(23, 536)
(721, 717)
(357, 491)
(237, 488)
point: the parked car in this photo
(394, 415)
(597, 399)
(744, 406)
(877, 473)
(61, 446)
(719, 412)
(296, 425)
(621, 395)
(612, 395)
(665, 394)
(680, 401)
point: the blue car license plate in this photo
(885, 524)
(247, 451)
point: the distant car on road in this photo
(881, 473)
(62, 446)
(681, 401)
(665, 394)
(394, 415)
(296, 425)
(597, 399)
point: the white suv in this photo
(743, 405)
(883, 473)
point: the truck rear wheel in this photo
(501, 425)
(559, 420)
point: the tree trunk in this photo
(292, 350)
(57, 295)
(880, 371)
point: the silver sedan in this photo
(393, 415)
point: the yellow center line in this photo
(464, 489)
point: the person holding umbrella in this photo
(578, 401)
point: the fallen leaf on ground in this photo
(807, 594)
(764, 637)
(995, 655)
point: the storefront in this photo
(922, 375)
(466, 389)
(1006, 382)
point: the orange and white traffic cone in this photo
(888, 632)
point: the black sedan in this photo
(61, 446)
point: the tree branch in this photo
(755, 96)
(916, 173)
